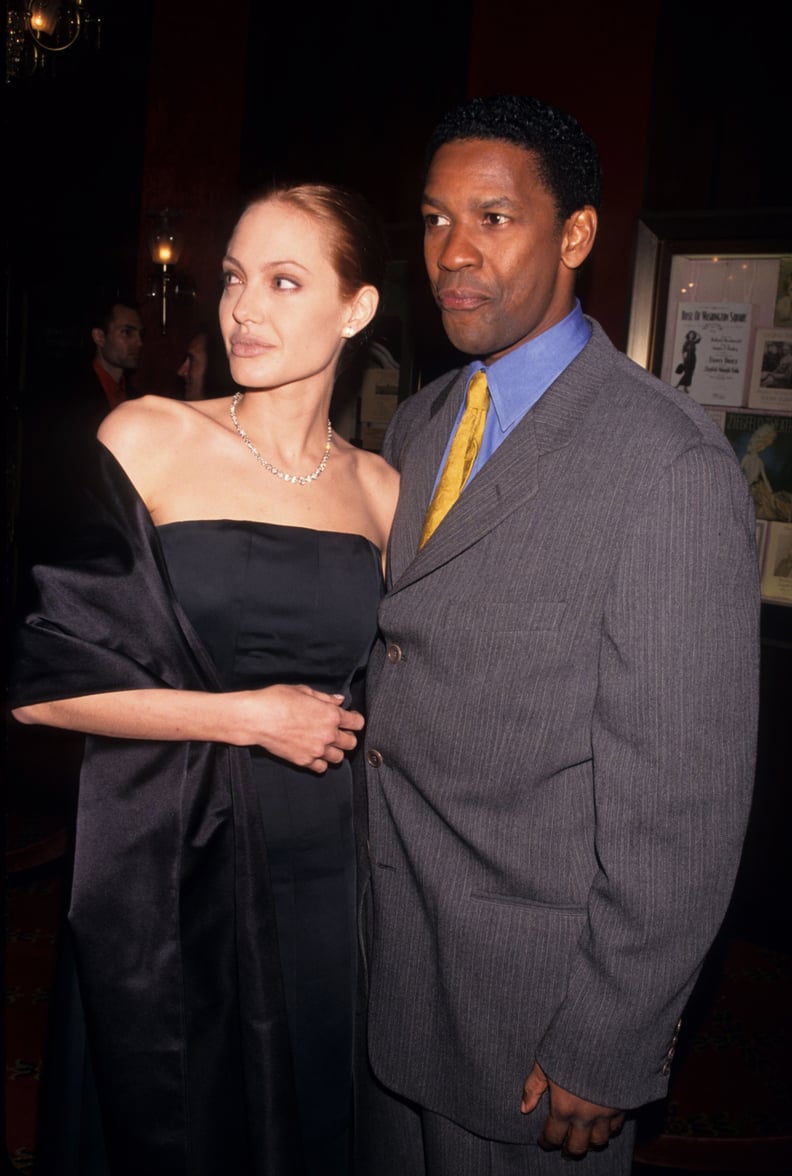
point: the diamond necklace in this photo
(295, 479)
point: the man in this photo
(60, 425)
(117, 335)
(562, 708)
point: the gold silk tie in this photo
(461, 455)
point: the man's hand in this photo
(574, 1124)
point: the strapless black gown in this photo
(275, 604)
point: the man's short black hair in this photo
(568, 161)
(103, 310)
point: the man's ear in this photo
(577, 240)
(98, 337)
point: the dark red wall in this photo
(191, 162)
(597, 64)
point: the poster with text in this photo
(710, 351)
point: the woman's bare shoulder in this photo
(380, 485)
(375, 472)
(145, 418)
(148, 434)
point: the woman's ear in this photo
(578, 238)
(362, 309)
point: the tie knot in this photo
(478, 392)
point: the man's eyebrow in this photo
(429, 199)
(482, 205)
(497, 202)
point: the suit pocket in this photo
(553, 908)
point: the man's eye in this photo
(434, 220)
(495, 218)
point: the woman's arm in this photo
(304, 726)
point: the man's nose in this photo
(458, 250)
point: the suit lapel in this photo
(508, 480)
(419, 466)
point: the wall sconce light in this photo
(165, 244)
(37, 28)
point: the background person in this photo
(59, 426)
(204, 369)
(117, 335)
(213, 901)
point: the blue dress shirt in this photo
(518, 379)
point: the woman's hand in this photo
(306, 727)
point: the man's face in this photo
(498, 259)
(119, 346)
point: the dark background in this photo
(194, 105)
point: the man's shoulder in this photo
(635, 402)
(414, 412)
(426, 399)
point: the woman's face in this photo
(282, 315)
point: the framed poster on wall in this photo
(706, 290)
(711, 314)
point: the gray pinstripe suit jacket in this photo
(560, 745)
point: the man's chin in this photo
(466, 337)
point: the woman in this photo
(210, 634)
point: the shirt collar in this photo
(519, 378)
(115, 391)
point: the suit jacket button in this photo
(374, 758)
(665, 1069)
(394, 654)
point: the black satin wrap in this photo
(171, 912)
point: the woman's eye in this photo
(230, 279)
(284, 283)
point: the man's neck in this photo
(115, 390)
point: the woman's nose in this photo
(247, 306)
